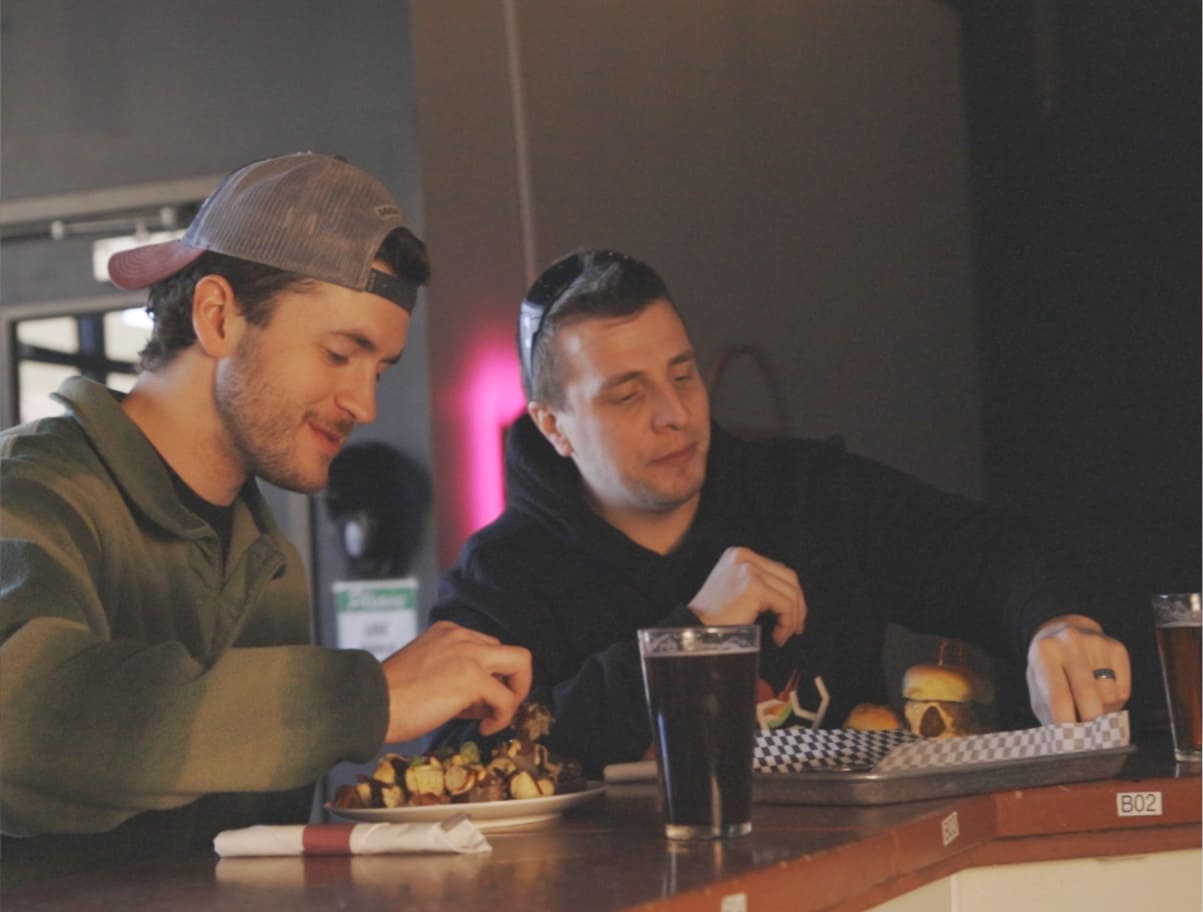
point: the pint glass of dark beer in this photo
(701, 695)
(1177, 618)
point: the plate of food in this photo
(487, 815)
(518, 783)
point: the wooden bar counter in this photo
(1099, 845)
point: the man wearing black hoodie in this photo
(628, 507)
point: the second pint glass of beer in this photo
(1177, 618)
(700, 684)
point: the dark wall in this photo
(1085, 186)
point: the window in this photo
(98, 338)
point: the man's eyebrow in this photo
(620, 379)
(363, 343)
(685, 357)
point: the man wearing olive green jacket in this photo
(156, 679)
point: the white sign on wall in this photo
(380, 616)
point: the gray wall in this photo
(97, 95)
(797, 172)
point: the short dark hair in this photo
(257, 289)
(586, 285)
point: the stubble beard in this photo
(256, 418)
(667, 498)
(657, 500)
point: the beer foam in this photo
(701, 650)
(663, 641)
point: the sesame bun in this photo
(873, 717)
(946, 683)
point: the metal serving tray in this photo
(840, 787)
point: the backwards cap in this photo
(315, 215)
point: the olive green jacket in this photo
(138, 672)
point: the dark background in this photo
(1085, 166)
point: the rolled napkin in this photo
(455, 834)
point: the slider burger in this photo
(944, 701)
(873, 717)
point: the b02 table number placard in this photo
(1138, 804)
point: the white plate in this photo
(487, 815)
(637, 771)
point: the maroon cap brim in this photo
(144, 266)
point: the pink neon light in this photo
(492, 399)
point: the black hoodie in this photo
(869, 544)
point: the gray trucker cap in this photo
(315, 215)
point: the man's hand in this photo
(1062, 659)
(452, 672)
(743, 585)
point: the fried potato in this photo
(519, 767)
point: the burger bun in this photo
(946, 683)
(945, 701)
(873, 717)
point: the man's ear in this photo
(216, 316)
(549, 426)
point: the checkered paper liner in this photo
(796, 750)
(799, 749)
(1102, 733)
